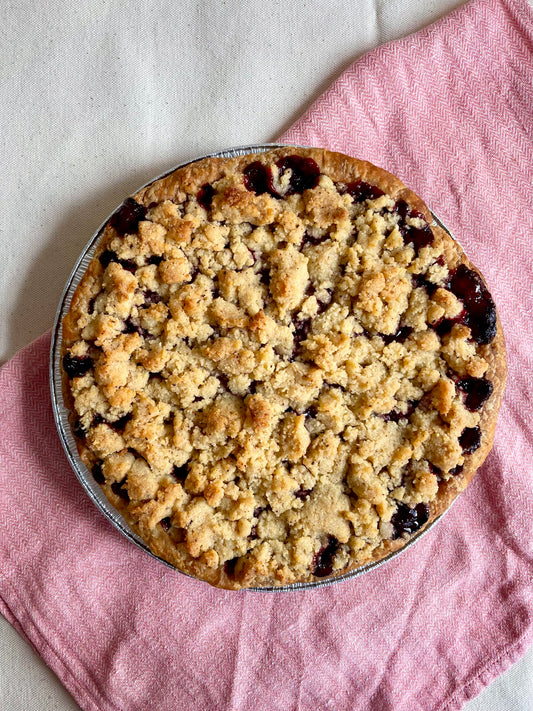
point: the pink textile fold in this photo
(449, 110)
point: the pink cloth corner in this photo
(450, 110)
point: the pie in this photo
(279, 368)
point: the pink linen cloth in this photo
(450, 110)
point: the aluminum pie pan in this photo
(61, 412)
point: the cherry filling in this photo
(118, 425)
(396, 415)
(78, 430)
(76, 366)
(229, 567)
(401, 335)
(478, 391)
(154, 259)
(126, 219)
(264, 276)
(131, 327)
(305, 173)
(97, 473)
(151, 297)
(259, 179)
(165, 523)
(119, 488)
(301, 331)
(456, 470)
(108, 256)
(253, 532)
(323, 305)
(302, 493)
(323, 560)
(420, 281)
(407, 520)
(418, 236)
(205, 196)
(361, 191)
(470, 439)
(180, 473)
(309, 239)
(435, 470)
(479, 309)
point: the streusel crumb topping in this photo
(276, 371)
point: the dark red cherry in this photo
(205, 196)
(151, 297)
(154, 259)
(131, 327)
(407, 520)
(305, 173)
(309, 239)
(478, 391)
(258, 178)
(229, 567)
(456, 470)
(165, 523)
(417, 236)
(118, 425)
(435, 470)
(401, 335)
(302, 493)
(252, 536)
(395, 415)
(126, 219)
(470, 439)
(323, 560)
(419, 280)
(323, 305)
(128, 264)
(301, 329)
(361, 191)
(78, 430)
(180, 473)
(97, 473)
(264, 276)
(300, 333)
(108, 256)
(119, 488)
(77, 366)
(480, 311)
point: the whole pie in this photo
(279, 367)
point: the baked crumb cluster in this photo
(273, 373)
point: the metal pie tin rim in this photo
(61, 413)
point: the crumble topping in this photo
(276, 372)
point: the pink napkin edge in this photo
(498, 663)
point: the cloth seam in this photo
(495, 666)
